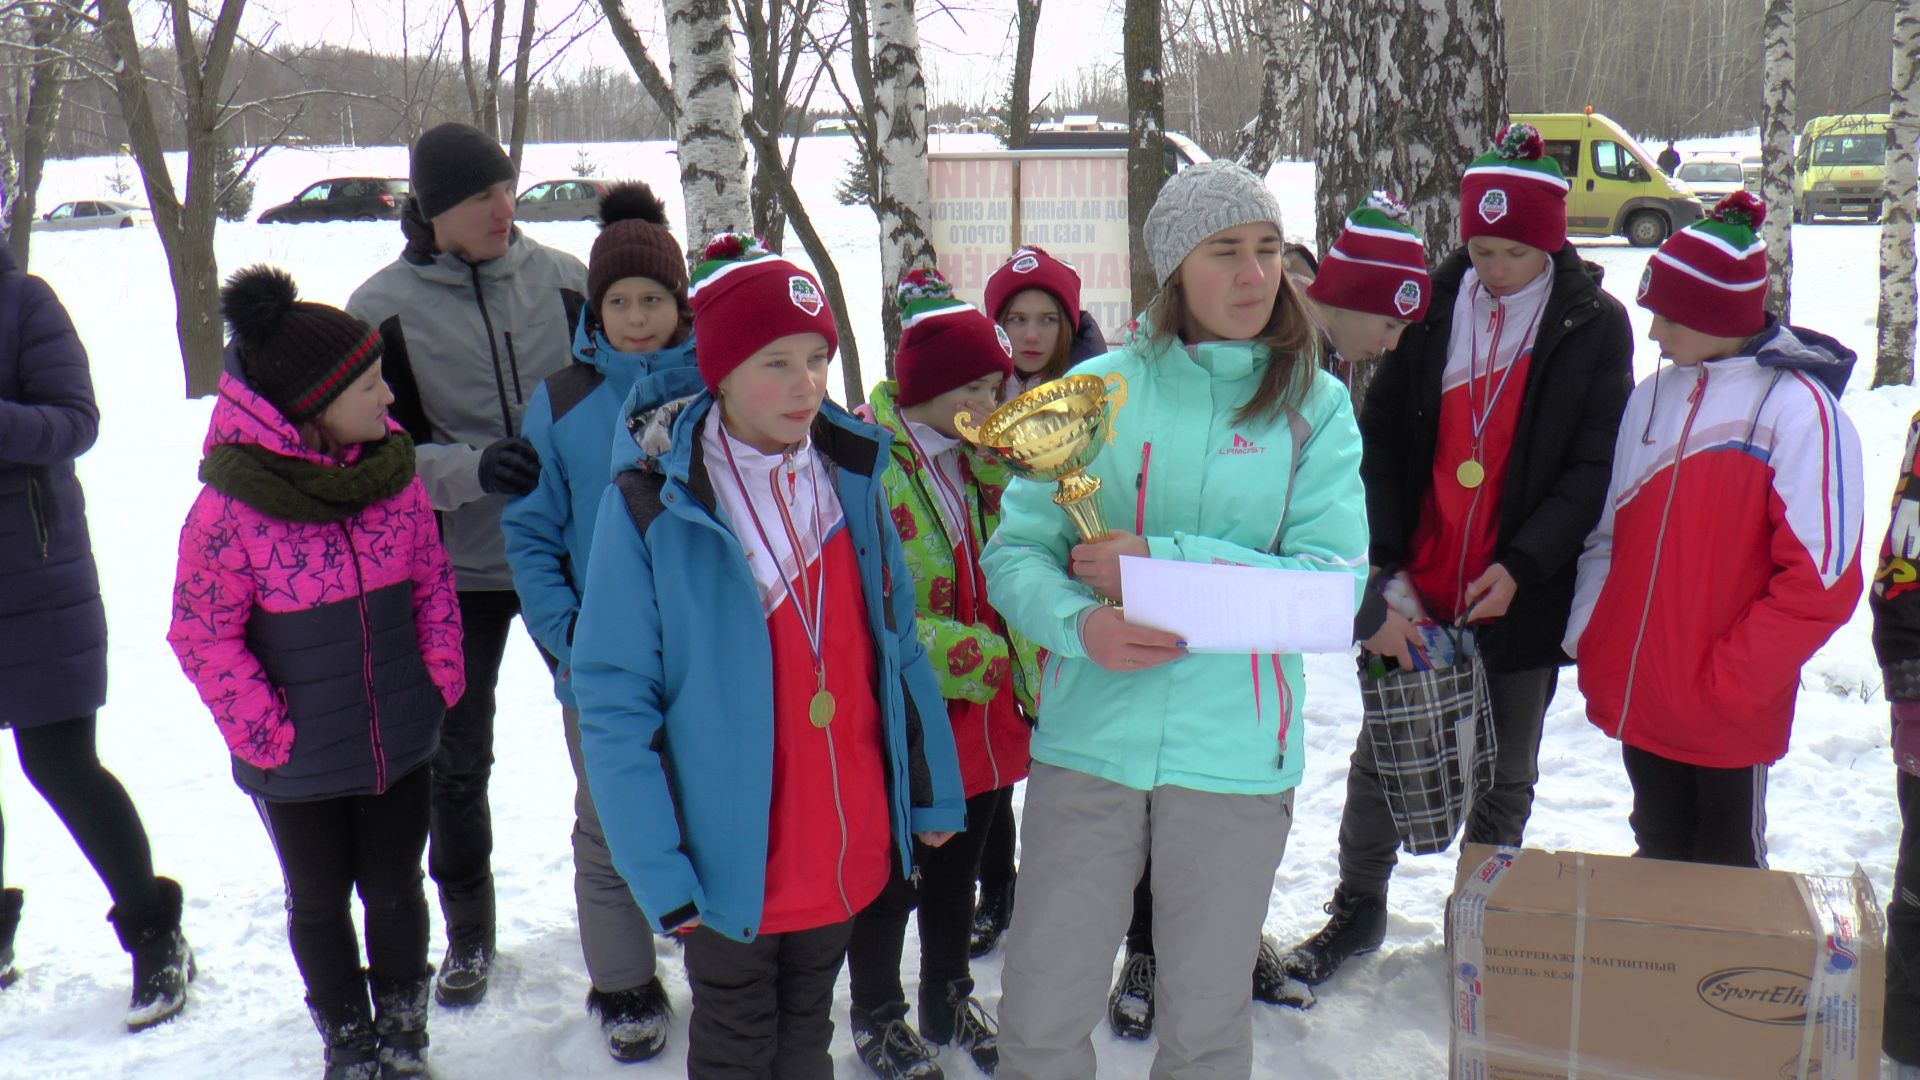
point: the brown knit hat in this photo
(298, 355)
(634, 242)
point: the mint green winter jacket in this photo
(1214, 493)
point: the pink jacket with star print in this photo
(328, 653)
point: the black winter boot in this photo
(162, 959)
(1130, 1004)
(463, 973)
(1357, 927)
(633, 1021)
(990, 919)
(400, 1021)
(346, 1029)
(890, 1047)
(10, 901)
(957, 1018)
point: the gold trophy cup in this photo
(1053, 432)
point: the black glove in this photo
(511, 466)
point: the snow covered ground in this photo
(1832, 801)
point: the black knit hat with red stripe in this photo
(298, 355)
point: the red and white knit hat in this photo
(945, 342)
(1032, 268)
(1515, 192)
(1712, 275)
(745, 298)
(1377, 265)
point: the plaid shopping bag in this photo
(1432, 737)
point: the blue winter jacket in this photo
(673, 670)
(574, 419)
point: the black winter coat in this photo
(1562, 456)
(53, 629)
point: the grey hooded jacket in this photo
(466, 344)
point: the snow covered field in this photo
(1832, 801)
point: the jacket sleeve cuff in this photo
(1162, 547)
(1372, 614)
(679, 916)
(1902, 680)
(1526, 572)
(938, 819)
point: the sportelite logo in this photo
(1493, 205)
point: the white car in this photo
(93, 214)
(1711, 176)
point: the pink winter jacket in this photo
(328, 653)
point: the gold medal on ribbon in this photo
(820, 709)
(1471, 474)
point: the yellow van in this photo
(1840, 166)
(1617, 189)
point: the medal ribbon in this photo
(814, 591)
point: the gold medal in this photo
(1471, 474)
(820, 709)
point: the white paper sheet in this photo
(1216, 607)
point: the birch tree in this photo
(905, 203)
(640, 60)
(713, 157)
(1894, 366)
(43, 37)
(1146, 124)
(1284, 36)
(1776, 153)
(1408, 97)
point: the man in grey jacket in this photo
(474, 315)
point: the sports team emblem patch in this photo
(1493, 205)
(1646, 282)
(1025, 264)
(1407, 300)
(804, 294)
(1006, 343)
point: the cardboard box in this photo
(1564, 964)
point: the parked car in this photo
(93, 214)
(348, 198)
(561, 200)
(1711, 176)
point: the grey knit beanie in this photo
(1197, 202)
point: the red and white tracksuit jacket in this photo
(1727, 553)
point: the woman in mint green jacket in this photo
(1230, 445)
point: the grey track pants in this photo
(1085, 841)
(614, 935)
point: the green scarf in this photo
(293, 489)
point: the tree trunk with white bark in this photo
(900, 148)
(713, 155)
(1776, 152)
(1411, 128)
(1285, 37)
(1894, 364)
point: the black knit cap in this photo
(634, 241)
(452, 162)
(298, 355)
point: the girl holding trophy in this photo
(1148, 750)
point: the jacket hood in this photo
(665, 432)
(435, 265)
(590, 346)
(1088, 340)
(241, 417)
(1795, 348)
(1220, 359)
